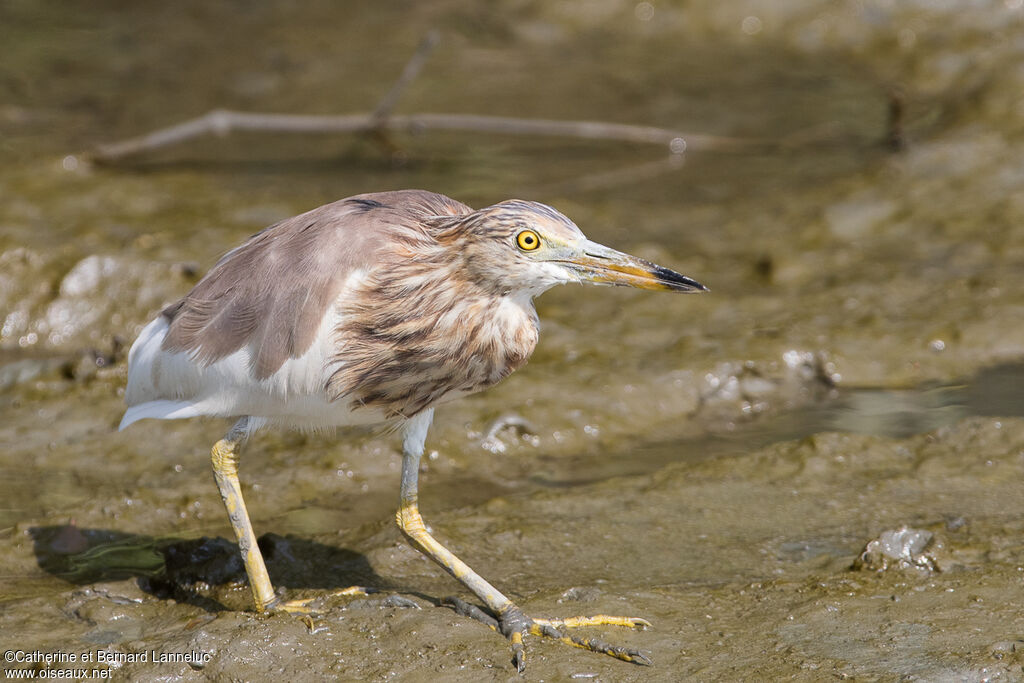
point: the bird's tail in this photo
(162, 410)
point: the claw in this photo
(518, 651)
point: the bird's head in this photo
(529, 247)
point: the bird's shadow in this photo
(192, 570)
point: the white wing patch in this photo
(169, 386)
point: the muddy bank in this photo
(743, 565)
(852, 286)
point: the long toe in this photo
(515, 625)
(596, 620)
(315, 604)
(626, 654)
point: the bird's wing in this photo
(270, 294)
(251, 338)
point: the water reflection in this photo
(996, 391)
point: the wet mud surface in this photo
(744, 564)
(716, 464)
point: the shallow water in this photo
(714, 463)
(894, 413)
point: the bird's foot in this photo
(515, 626)
(306, 606)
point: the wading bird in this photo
(373, 309)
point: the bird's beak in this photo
(598, 264)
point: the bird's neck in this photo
(419, 335)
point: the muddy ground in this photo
(715, 464)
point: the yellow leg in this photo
(507, 618)
(225, 471)
(411, 524)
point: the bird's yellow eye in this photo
(528, 240)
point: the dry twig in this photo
(222, 122)
(409, 73)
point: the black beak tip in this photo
(677, 281)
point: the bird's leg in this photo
(411, 523)
(505, 618)
(225, 471)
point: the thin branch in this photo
(677, 141)
(221, 122)
(409, 73)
